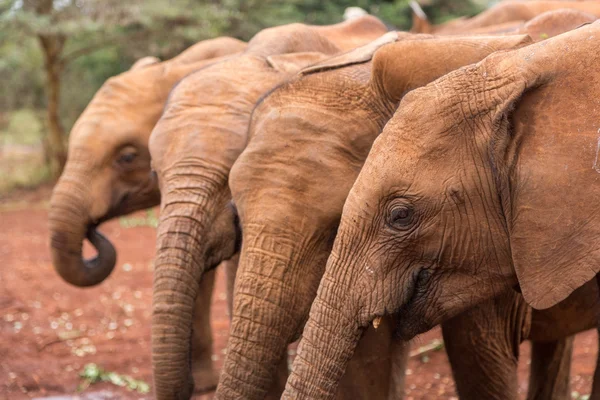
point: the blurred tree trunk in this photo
(54, 146)
(52, 45)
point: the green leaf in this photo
(92, 373)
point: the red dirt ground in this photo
(50, 330)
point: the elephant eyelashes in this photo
(401, 217)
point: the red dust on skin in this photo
(110, 324)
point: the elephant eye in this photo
(401, 217)
(127, 157)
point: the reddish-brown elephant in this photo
(504, 16)
(108, 174)
(483, 181)
(199, 136)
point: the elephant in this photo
(552, 23)
(317, 129)
(108, 174)
(253, 177)
(506, 15)
(193, 146)
(463, 196)
(544, 26)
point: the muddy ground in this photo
(50, 330)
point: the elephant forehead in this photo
(309, 121)
(108, 131)
(309, 141)
(117, 111)
(129, 88)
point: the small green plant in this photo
(576, 396)
(149, 220)
(423, 351)
(92, 373)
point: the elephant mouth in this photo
(124, 205)
(411, 316)
(139, 198)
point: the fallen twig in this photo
(435, 345)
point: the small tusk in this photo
(376, 322)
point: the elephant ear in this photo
(293, 62)
(353, 33)
(420, 22)
(357, 56)
(530, 111)
(209, 49)
(409, 64)
(144, 62)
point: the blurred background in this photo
(55, 54)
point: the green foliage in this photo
(22, 163)
(92, 373)
(21, 127)
(439, 11)
(150, 219)
(101, 38)
(21, 64)
(106, 36)
(576, 396)
(23, 174)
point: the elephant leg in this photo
(400, 353)
(280, 380)
(483, 347)
(550, 369)
(368, 373)
(231, 267)
(595, 395)
(205, 376)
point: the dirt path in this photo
(50, 330)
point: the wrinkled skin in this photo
(289, 211)
(108, 174)
(463, 196)
(288, 234)
(509, 321)
(505, 16)
(108, 169)
(552, 23)
(194, 145)
(544, 26)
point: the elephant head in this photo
(193, 146)
(504, 15)
(108, 169)
(309, 139)
(483, 180)
(555, 22)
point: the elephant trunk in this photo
(270, 304)
(329, 339)
(179, 265)
(69, 225)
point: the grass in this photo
(22, 171)
(150, 219)
(577, 396)
(23, 127)
(22, 163)
(16, 173)
(92, 373)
